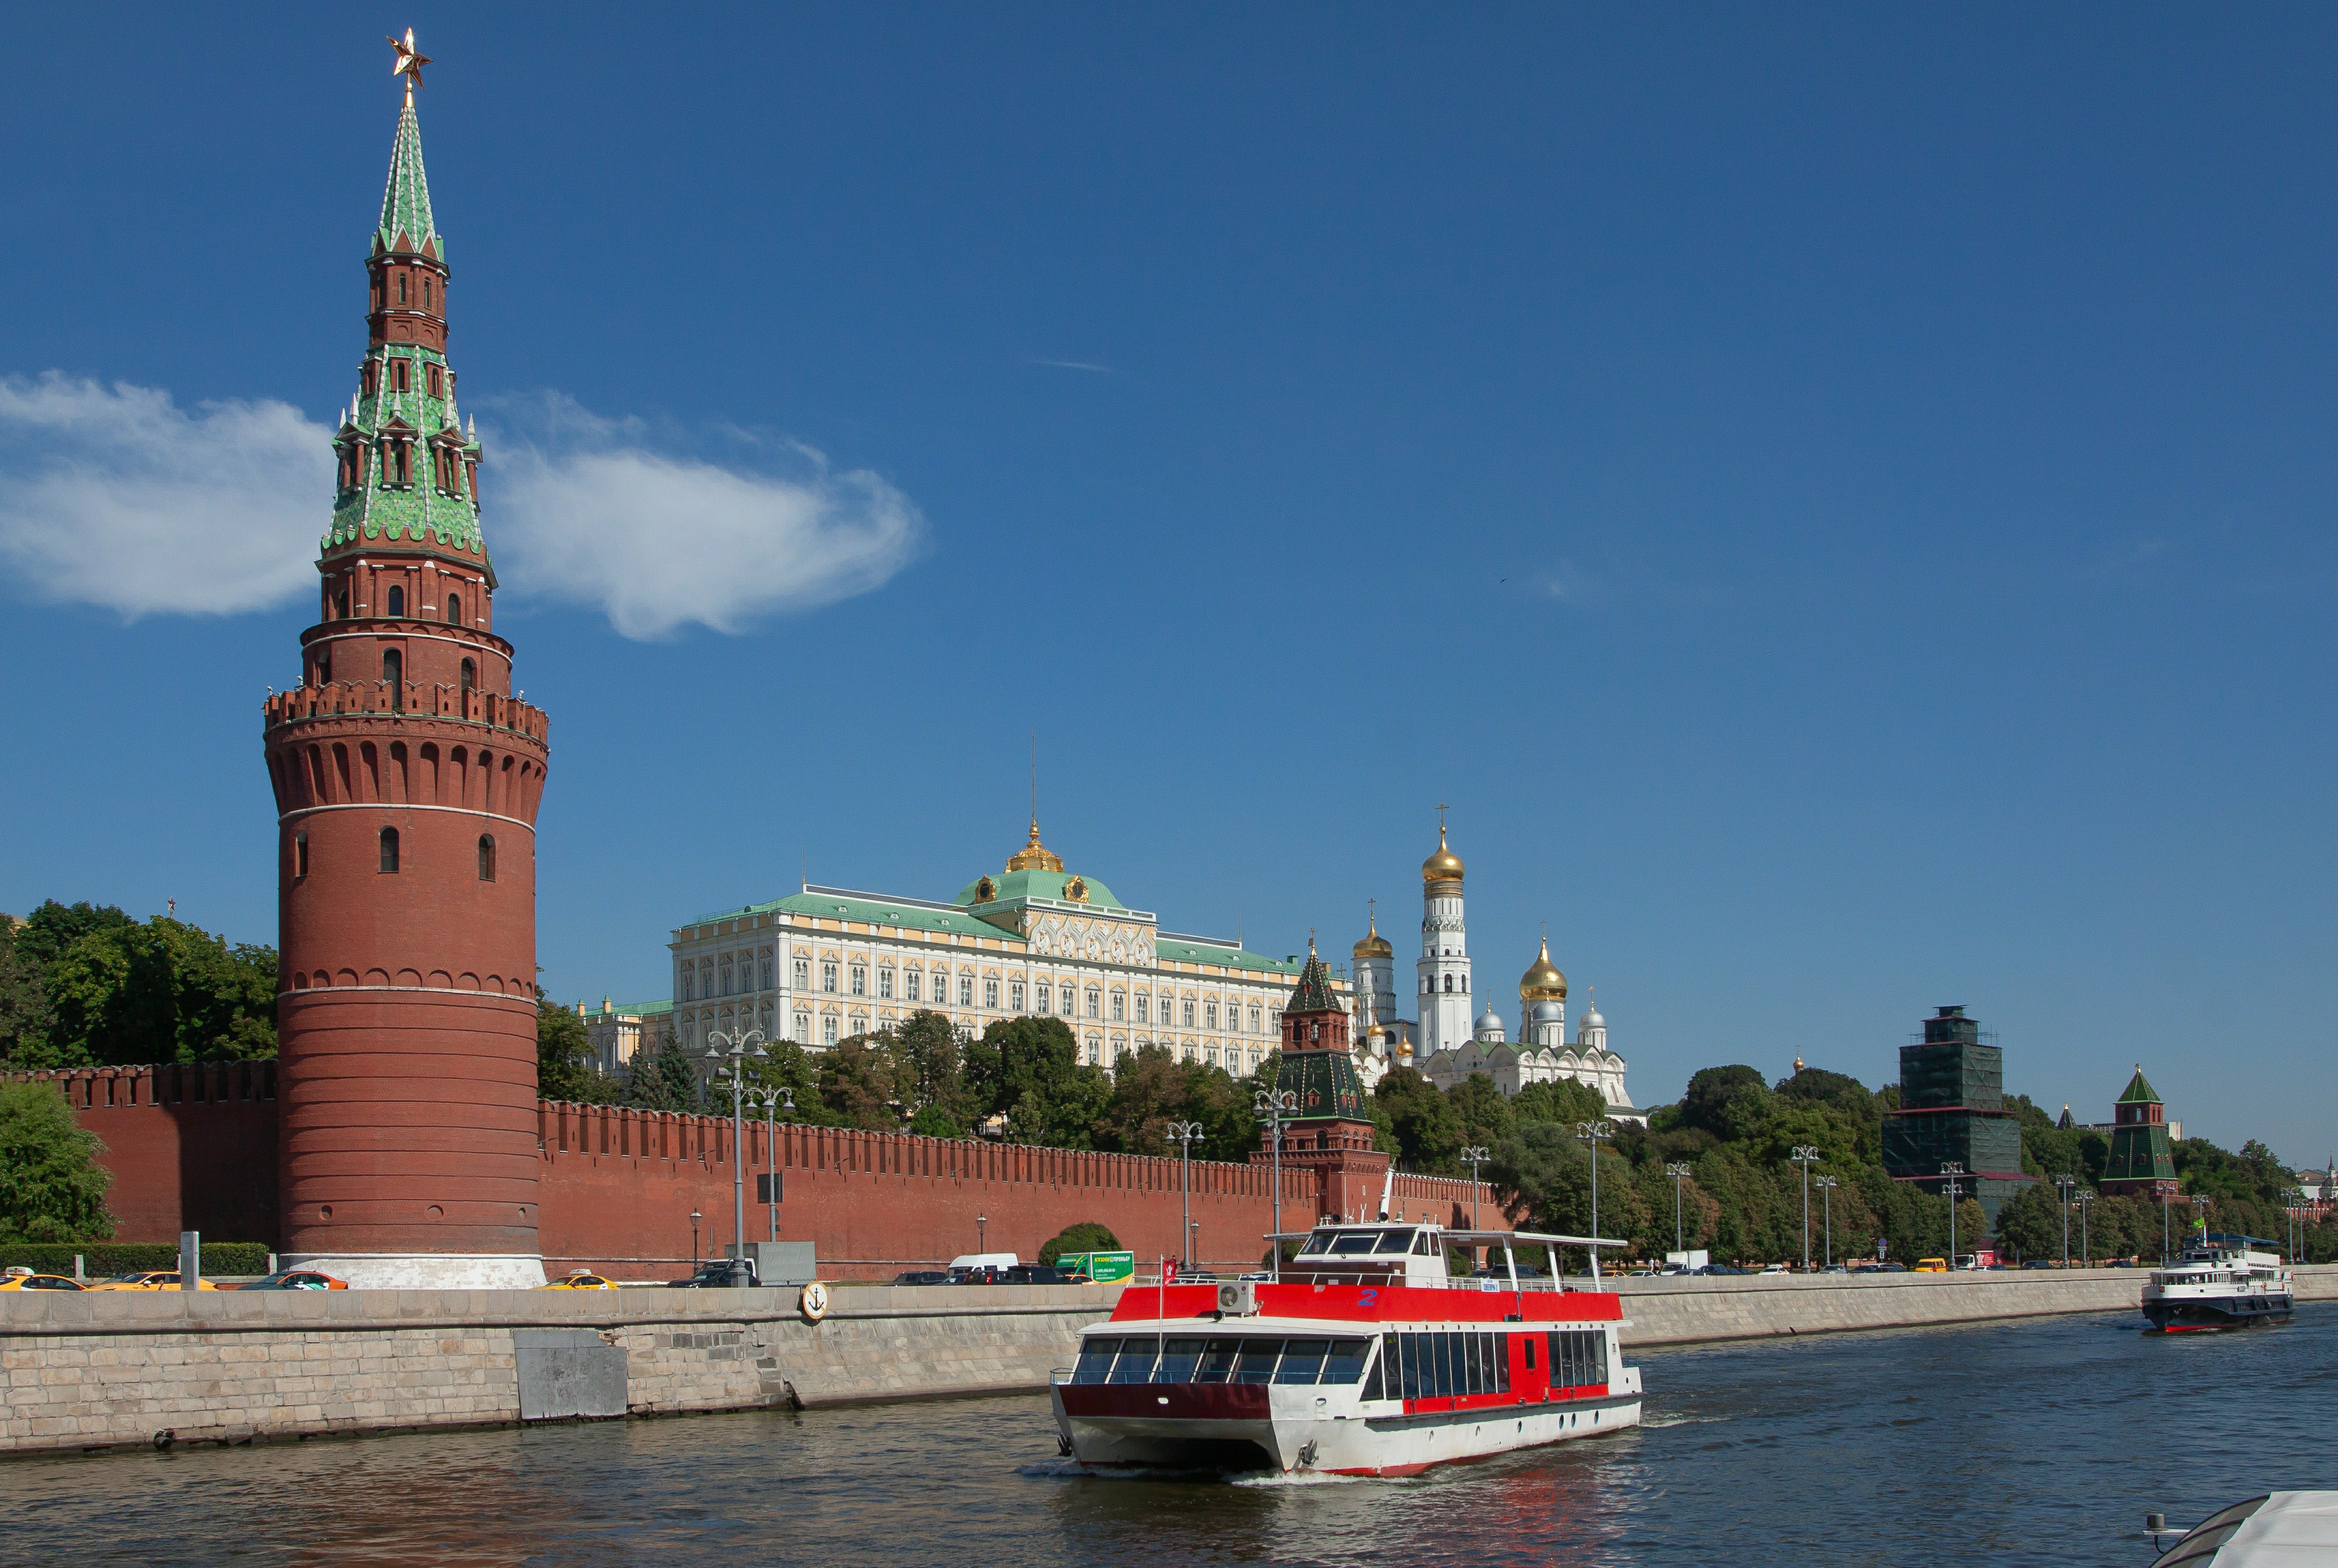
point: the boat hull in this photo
(2178, 1314)
(1233, 1428)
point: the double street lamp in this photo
(1185, 1133)
(1955, 1189)
(1593, 1135)
(1473, 1155)
(1826, 1186)
(1679, 1173)
(1805, 1155)
(1274, 1107)
(728, 1055)
(2082, 1198)
(773, 1099)
(2065, 1183)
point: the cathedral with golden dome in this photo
(1453, 1038)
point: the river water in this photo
(2036, 1443)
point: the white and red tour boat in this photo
(1366, 1357)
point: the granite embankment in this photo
(1697, 1308)
(101, 1370)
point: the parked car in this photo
(148, 1279)
(581, 1279)
(1891, 1269)
(1931, 1266)
(1722, 1268)
(980, 1274)
(2036, 1263)
(722, 1273)
(1256, 1275)
(1048, 1274)
(922, 1276)
(292, 1279)
(1836, 1268)
(1526, 1271)
(1776, 1268)
(2121, 1263)
(22, 1279)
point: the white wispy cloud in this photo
(593, 511)
(118, 497)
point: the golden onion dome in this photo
(1542, 982)
(1374, 945)
(1444, 865)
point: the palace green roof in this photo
(2138, 1092)
(629, 1010)
(867, 911)
(1009, 886)
(1169, 950)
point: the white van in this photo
(980, 1267)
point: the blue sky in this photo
(1835, 499)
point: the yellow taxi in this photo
(22, 1279)
(1931, 1266)
(149, 1279)
(581, 1279)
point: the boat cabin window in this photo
(1393, 1242)
(1449, 1366)
(1315, 1246)
(1578, 1357)
(1348, 1244)
(1424, 1245)
(1226, 1358)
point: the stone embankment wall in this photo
(1694, 1309)
(101, 1370)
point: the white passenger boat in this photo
(1366, 1357)
(2220, 1282)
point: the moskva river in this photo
(2043, 1443)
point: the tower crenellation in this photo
(407, 779)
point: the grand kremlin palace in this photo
(826, 963)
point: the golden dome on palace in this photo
(1374, 945)
(1444, 865)
(1542, 982)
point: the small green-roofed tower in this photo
(1330, 1127)
(2141, 1165)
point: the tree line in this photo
(84, 985)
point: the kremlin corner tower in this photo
(407, 780)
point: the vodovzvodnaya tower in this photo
(407, 780)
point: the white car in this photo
(1775, 1269)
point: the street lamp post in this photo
(1185, 1133)
(1474, 1155)
(2083, 1197)
(982, 1232)
(694, 1218)
(2200, 1207)
(1826, 1186)
(1274, 1107)
(1679, 1173)
(2065, 1183)
(729, 1055)
(1805, 1155)
(2294, 1200)
(773, 1100)
(1593, 1135)
(1955, 1189)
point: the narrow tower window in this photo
(393, 672)
(454, 608)
(342, 604)
(397, 600)
(470, 671)
(434, 371)
(426, 305)
(299, 855)
(486, 857)
(389, 851)
(401, 296)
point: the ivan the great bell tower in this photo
(406, 781)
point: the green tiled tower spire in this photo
(409, 470)
(406, 222)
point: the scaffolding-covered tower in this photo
(1953, 1112)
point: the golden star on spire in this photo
(410, 62)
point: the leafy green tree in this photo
(1483, 1111)
(1028, 1069)
(663, 1080)
(864, 1084)
(1563, 1100)
(563, 1052)
(52, 1188)
(1422, 1120)
(24, 1015)
(927, 1047)
(1087, 1236)
(125, 993)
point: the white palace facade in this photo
(826, 963)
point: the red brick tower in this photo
(1331, 1131)
(406, 781)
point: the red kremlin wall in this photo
(195, 1148)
